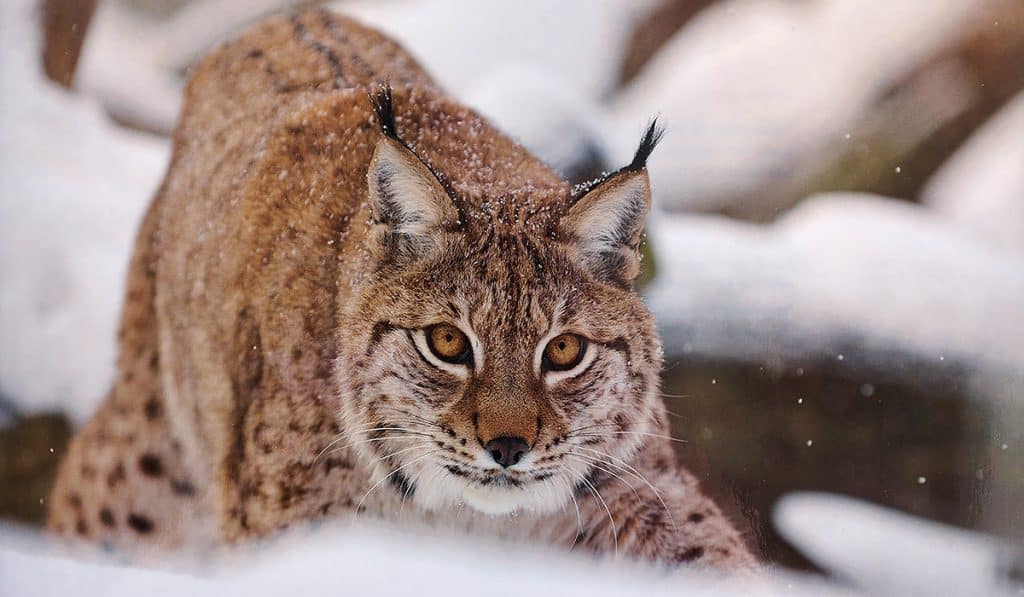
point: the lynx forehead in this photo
(353, 296)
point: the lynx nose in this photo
(507, 451)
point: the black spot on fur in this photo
(107, 518)
(695, 517)
(140, 524)
(455, 470)
(116, 476)
(182, 487)
(152, 408)
(690, 554)
(151, 465)
(81, 528)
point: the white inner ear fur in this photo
(613, 214)
(404, 193)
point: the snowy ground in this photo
(870, 549)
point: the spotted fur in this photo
(326, 203)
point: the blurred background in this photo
(836, 257)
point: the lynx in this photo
(353, 296)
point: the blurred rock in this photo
(753, 433)
(30, 451)
(134, 57)
(982, 186)
(74, 186)
(538, 69)
(64, 25)
(854, 279)
(578, 41)
(656, 28)
(769, 101)
(546, 115)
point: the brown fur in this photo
(266, 373)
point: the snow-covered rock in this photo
(132, 59)
(982, 186)
(868, 283)
(580, 41)
(537, 69)
(749, 89)
(74, 187)
(563, 51)
(885, 552)
(548, 116)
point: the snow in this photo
(548, 116)
(875, 550)
(537, 68)
(373, 561)
(580, 41)
(749, 88)
(885, 552)
(74, 187)
(840, 270)
(982, 186)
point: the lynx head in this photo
(499, 356)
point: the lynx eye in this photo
(564, 352)
(448, 343)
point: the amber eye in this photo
(564, 352)
(449, 344)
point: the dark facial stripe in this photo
(380, 329)
(620, 345)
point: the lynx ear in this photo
(407, 200)
(607, 220)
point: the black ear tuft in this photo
(385, 110)
(651, 139)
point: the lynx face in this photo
(500, 356)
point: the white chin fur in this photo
(442, 492)
(494, 502)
